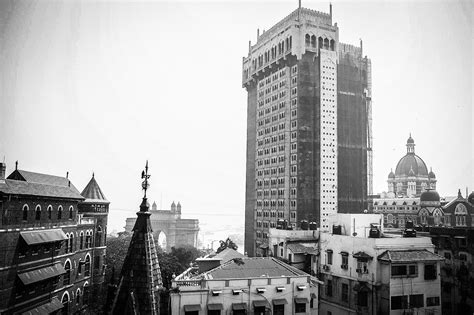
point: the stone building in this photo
(308, 125)
(52, 244)
(170, 227)
(367, 271)
(411, 175)
(259, 285)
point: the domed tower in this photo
(96, 206)
(411, 176)
(432, 179)
(173, 207)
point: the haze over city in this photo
(101, 87)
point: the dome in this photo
(411, 162)
(391, 174)
(410, 140)
(431, 174)
(470, 199)
(429, 195)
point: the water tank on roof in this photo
(304, 225)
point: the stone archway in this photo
(161, 239)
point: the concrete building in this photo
(260, 285)
(411, 175)
(52, 244)
(298, 248)
(308, 126)
(368, 272)
(457, 274)
(170, 228)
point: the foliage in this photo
(228, 243)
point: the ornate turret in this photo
(173, 207)
(410, 145)
(154, 207)
(140, 280)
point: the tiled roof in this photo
(35, 184)
(93, 193)
(302, 248)
(255, 267)
(400, 256)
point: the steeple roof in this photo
(140, 279)
(93, 193)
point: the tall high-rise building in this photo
(308, 125)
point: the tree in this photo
(226, 244)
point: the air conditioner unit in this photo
(326, 267)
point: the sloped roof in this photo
(226, 255)
(93, 193)
(405, 256)
(303, 248)
(35, 184)
(254, 267)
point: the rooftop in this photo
(93, 193)
(255, 267)
(402, 256)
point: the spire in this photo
(140, 279)
(410, 145)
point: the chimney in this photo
(3, 168)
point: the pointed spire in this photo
(16, 165)
(459, 193)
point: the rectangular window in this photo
(329, 288)
(399, 302)
(329, 257)
(416, 300)
(362, 298)
(279, 309)
(300, 307)
(430, 272)
(345, 292)
(345, 260)
(432, 301)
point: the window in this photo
(87, 266)
(81, 240)
(416, 300)
(50, 211)
(432, 301)
(78, 296)
(300, 307)
(60, 212)
(65, 302)
(345, 260)
(404, 271)
(38, 213)
(85, 297)
(329, 288)
(430, 271)
(345, 292)
(329, 257)
(362, 298)
(70, 212)
(362, 266)
(399, 302)
(25, 212)
(71, 241)
(279, 309)
(67, 275)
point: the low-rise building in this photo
(259, 285)
(368, 272)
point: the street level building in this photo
(259, 285)
(308, 126)
(366, 271)
(169, 227)
(52, 244)
(411, 175)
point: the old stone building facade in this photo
(52, 244)
(308, 126)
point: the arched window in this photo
(85, 296)
(88, 238)
(313, 41)
(25, 213)
(38, 213)
(320, 42)
(70, 212)
(81, 240)
(60, 212)
(78, 296)
(87, 266)
(79, 268)
(332, 44)
(67, 242)
(71, 242)
(98, 236)
(65, 302)
(390, 218)
(326, 43)
(67, 275)
(307, 40)
(50, 211)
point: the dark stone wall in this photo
(352, 134)
(308, 204)
(249, 237)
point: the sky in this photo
(103, 86)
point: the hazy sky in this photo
(102, 86)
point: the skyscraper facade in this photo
(308, 126)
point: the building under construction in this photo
(308, 126)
